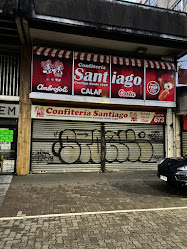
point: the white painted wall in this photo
(170, 126)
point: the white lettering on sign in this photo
(80, 74)
(123, 93)
(159, 120)
(91, 91)
(127, 81)
(91, 66)
(51, 88)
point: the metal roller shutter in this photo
(184, 143)
(133, 146)
(59, 146)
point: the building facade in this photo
(9, 86)
(95, 91)
(178, 5)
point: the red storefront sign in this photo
(160, 82)
(52, 71)
(127, 78)
(91, 75)
(97, 115)
(64, 72)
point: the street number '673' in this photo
(159, 119)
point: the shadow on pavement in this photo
(168, 189)
(153, 186)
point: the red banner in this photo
(52, 75)
(160, 85)
(75, 73)
(127, 82)
(91, 78)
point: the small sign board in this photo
(9, 111)
(6, 135)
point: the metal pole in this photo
(103, 145)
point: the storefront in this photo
(8, 136)
(66, 138)
(91, 61)
(72, 139)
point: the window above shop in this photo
(9, 72)
(150, 2)
(182, 71)
(168, 4)
(178, 6)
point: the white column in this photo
(177, 136)
(169, 134)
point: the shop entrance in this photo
(59, 146)
(8, 145)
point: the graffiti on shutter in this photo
(133, 146)
(76, 146)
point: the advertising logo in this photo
(53, 71)
(133, 116)
(123, 93)
(39, 111)
(153, 88)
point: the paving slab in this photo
(153, 229)
(112, 220)
(5, 181)
(40, 194)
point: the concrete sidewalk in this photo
(5, 181)
(40, 194)
(65, 198)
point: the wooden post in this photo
(24, 122)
